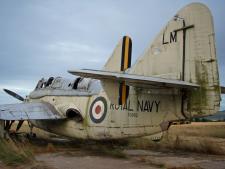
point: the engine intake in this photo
(74, 114)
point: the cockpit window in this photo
(40, 84)
(76, 82)
(49, 82)
(83, 84)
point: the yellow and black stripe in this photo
(126, 53)
(125, 64)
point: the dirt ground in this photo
(195, 146)
(137, 159)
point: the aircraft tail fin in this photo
(119, 62)
(185, 50)
(120, 59)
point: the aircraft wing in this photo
(132, 79)
(29, 111)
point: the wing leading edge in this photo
(132, 79)
(29, 111)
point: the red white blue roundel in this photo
(98, 110)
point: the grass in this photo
(11, 154)
(207, 138)
(209, 129)
(198, 145)
(197, 137)
(101, 148)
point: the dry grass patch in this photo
(200, 129)
(205, 138)
(14, 154)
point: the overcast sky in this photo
(47, 38)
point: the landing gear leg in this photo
(31, 134)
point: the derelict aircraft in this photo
(175, 79)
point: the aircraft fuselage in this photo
(146, 112)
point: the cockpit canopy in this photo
(80, 84)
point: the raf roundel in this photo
(98, 110)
